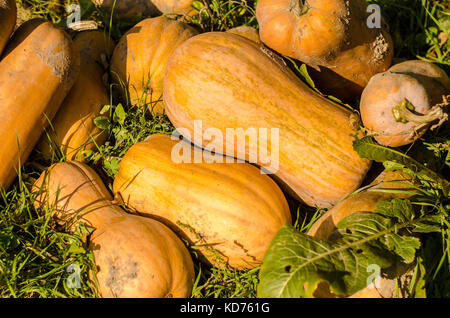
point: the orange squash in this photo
(229, 209)
(366, 201)
(331, 36)
(135, 256)
(39, 67)
(247, 32)
(8, 15)
(223, 81)
(73, 130)
(140, 58)
(399, 105)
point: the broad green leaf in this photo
(432, 224)
(102, 122)
(119, 114)
(298, 265)
(367, 148)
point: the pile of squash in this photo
(234, 79)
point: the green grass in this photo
(36, 253)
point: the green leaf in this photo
(432, 224)
(367, 148)
(119, 114)
(295, 264)
(102, 122)
(298, 265)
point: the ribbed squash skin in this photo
(227, 81)
(39, 67)
(73, 130)
(233, 207)
(8, 15)
(421, 83)
(135, 256)
(141, 56)
(366, 201)
(331, 36)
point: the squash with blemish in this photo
(335, 37)
(135, 256)
(39, 67)
(398, 106)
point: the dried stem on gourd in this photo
(404, 113)
(299, 7)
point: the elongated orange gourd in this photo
(140, 58)
(8, 15)
(220, 82)
(229, 207)
(135, 256)
(73, 130)
(38, 69)
(345, 42)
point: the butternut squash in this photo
(135, 256)
(73, 130)
(140, 58)
(226, 83)
(8, 15)
(230, 210)
(39, 67)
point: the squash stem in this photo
(404, 113)
(299, 7)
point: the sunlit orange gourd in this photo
(140, 58)
(341, 41)
(230, 210)
(401, 104)
(8, 15)
(221, 81)
(73, 129)
(39, 67)
(135, 256)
